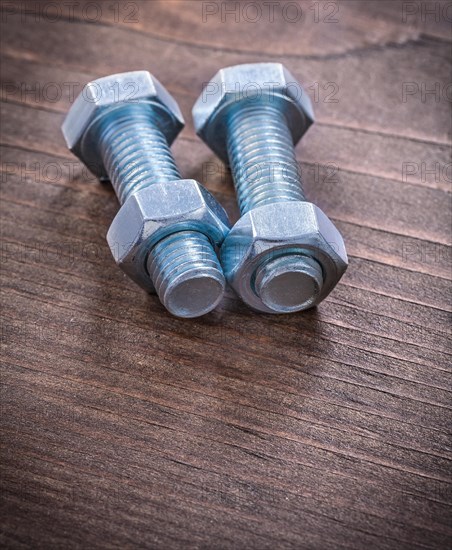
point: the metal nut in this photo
(276, 230)
(155, 212)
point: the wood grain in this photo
(124, 427)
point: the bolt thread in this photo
(134, 150)
(182, 257)
(136, 155)
(262, 157)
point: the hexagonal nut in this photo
(109, 94)
(157, 211)
(255, 82)
(277, 229)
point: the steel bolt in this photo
(165, 234)
(284, 254)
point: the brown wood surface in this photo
(124, 427)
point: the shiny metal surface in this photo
(151, 214)
(166, 232)
(108, 96)
(284, 254)
(283, 257)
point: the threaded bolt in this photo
(265, 171)
(262, 157)
(183, 267)
(134, 150)
(276, 262)
(131, 138)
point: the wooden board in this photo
(123, 426)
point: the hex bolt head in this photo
(108, 96)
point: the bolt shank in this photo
(262, 156)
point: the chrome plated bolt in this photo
(166, 231)
(284, 254)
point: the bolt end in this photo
(289, 283)
(186, 274)
(195, 294)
